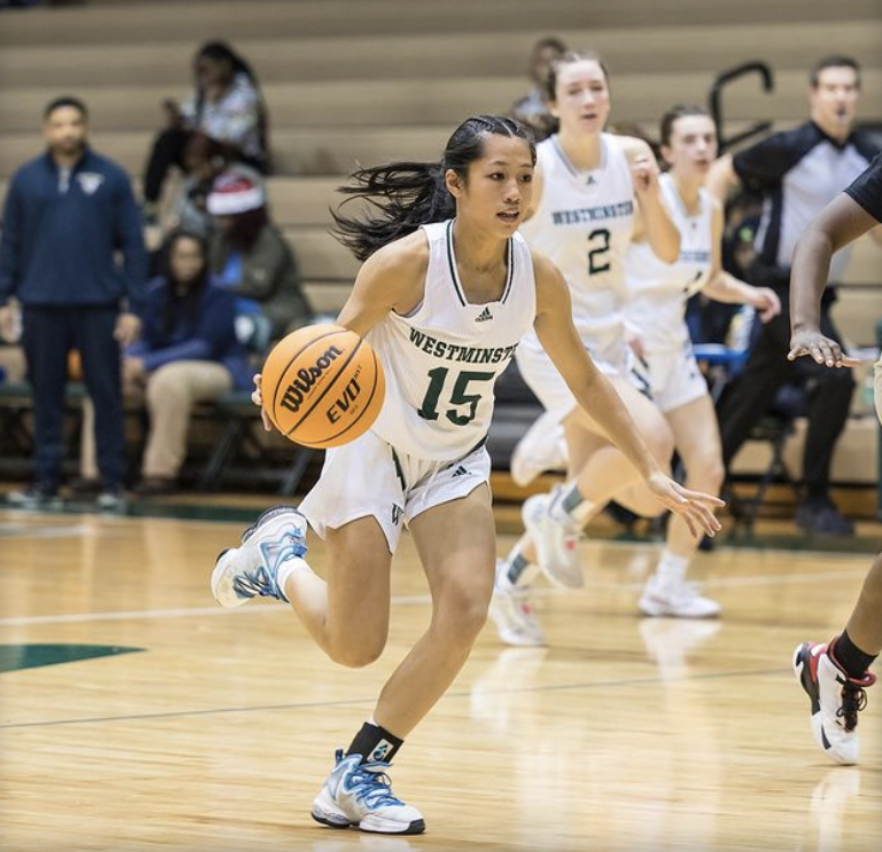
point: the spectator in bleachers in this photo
(205, 160)
(250, 256)
(188, 353)
(532, 110)
(226, 106)
(68, 214)
(798, 172)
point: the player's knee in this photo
(359, 654)
(709, 473)
(464, 612)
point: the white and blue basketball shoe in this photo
(252, 569)
(360, 795)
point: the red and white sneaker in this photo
(510, 609)
(836, 701)
(555, 537)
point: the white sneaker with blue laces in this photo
(360, 794)
(252, 570)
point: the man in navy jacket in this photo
(69, 215)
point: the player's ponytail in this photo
(404, 196)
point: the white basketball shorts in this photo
(368, 478)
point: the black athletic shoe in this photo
(819, 516)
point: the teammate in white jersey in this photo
(434, 296)
(660, 337)
(594, 194)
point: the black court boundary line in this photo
(309, 705)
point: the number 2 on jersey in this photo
(598, 261)
(429, 409)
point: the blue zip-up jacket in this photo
(211, 338)
(58, 242)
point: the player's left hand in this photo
(693, 506)
(766, 301)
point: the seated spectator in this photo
(205, 160)
(188, 353)
(227, 107)
(532, 109)
(249, 255)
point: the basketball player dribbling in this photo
(835, 675)
(446, 292)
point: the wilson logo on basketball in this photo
(350, 394)
(306, 380)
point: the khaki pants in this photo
(12, 360)
(171, 392)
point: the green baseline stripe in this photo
(17, 657)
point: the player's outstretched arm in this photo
(596, 395)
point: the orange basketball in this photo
(322, 386)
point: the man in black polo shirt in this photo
(836, 675)
(798, 172)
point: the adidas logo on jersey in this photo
(591, 180)
(460, 471)
(484, 316)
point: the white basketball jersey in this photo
(658, 290)
(584, 224)
(442, 361)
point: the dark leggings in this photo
(168, 150)
(751, 395)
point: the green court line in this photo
(17, 657)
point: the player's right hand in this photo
(257, 399)
(695, 507)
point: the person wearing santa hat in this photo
(249, 255)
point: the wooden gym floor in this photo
(136, 714)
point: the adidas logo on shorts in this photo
(484, 316)
(460, 471)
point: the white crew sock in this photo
(286, 569)
(672, 568)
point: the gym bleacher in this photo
(345, 87)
